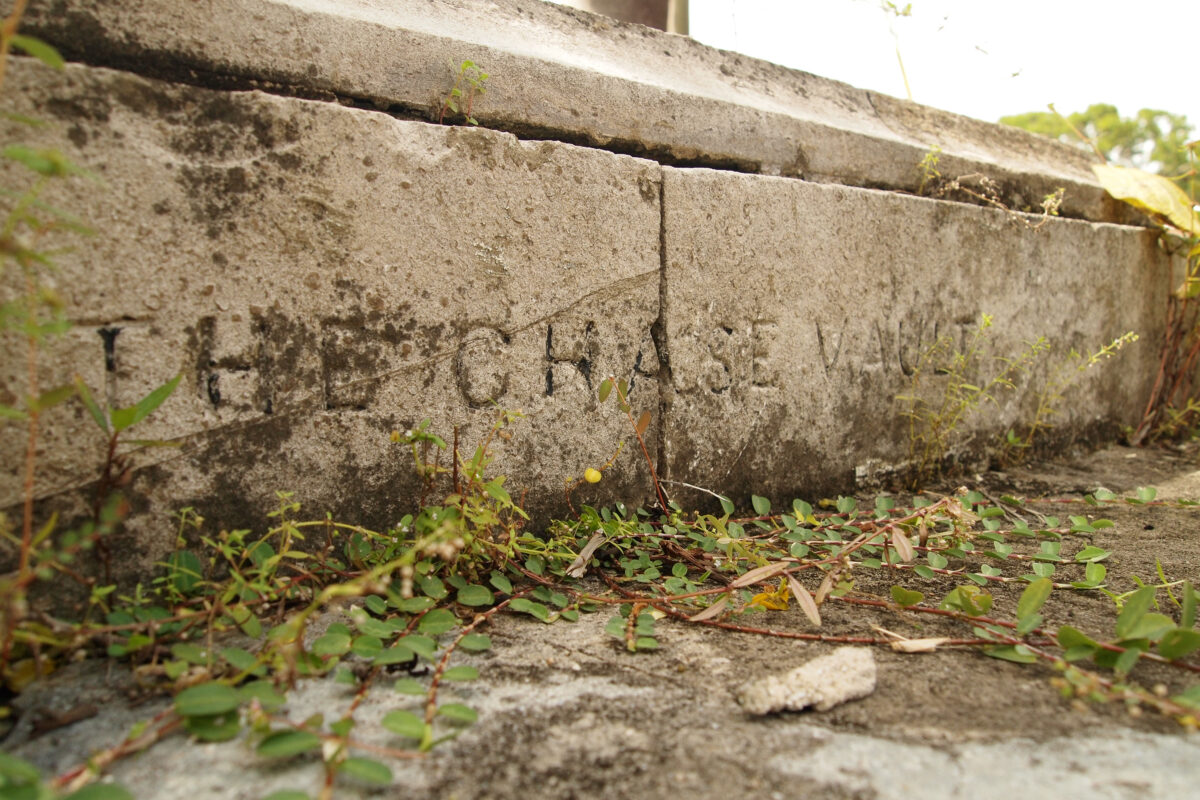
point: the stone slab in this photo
(796, 313)
(322, 276)
(561, 73)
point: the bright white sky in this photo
(982, 58)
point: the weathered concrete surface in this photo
(565, 713)
(561, 73)
(796, 312)
(322, 276)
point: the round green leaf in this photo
(475, 642)
(18, 769)
(408, 686)
(206, 699)
(367, 769)
(906, 597)
(437, 621)
(284, 744)
(367, 646)
(474, 595)
(458, 712)
(399, 654)
(463, 673)
(404, 723)
(214, 728)
(287, 794)
(332, 644)
(421, 645)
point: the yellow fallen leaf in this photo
(1150, 193)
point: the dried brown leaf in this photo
(903, 546)
(580, 564)
(826, 586)
(758, 574)
(918, 645)
(712, 611)
(805, 601)
(643, 422)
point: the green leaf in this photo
(526, 606)
(184, 571)
(1189, 697)
(189, 652)
(906, 597)
(397, 654)
(1073, 637)
(968, 599)
(123, 418)
(1027, 624)
(376, 605)
(501, 582)
(762, 506)
(287, 794)
(845, 505)
(1127, 660)
(206, 699)
(264, 692)
(18, 769)
(404, 723)
(475, 595)
(462, 673)
(370, 626)
(288, 743)
(432, 586)
(437, 621)
(214, 728)
(1150, 626)
(366, 769)
(727, 506)
(367, 646)
(51, 397)
(605, 389)
(457, 712)
(475, 642)
(1016, 653)
(421, 645)
(100, 791)
(1136, 606)
(244, 618)
(8, 412)
(408, 686)
(39, 50)
(332, 644)
(415, 605)
(924, 571)
(1034, 597)
(1178, 643)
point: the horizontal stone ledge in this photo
(560, 73)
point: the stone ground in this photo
(564, 712)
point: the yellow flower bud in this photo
(591, 475)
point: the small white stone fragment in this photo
(824, 682)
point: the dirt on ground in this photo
(566, 712)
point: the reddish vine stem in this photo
(443, 662)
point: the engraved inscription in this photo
(577, 350)
(479, 367)
(763, 372)
(830, 345)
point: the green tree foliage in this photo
(1152, 140)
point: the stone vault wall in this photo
(280, 221)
